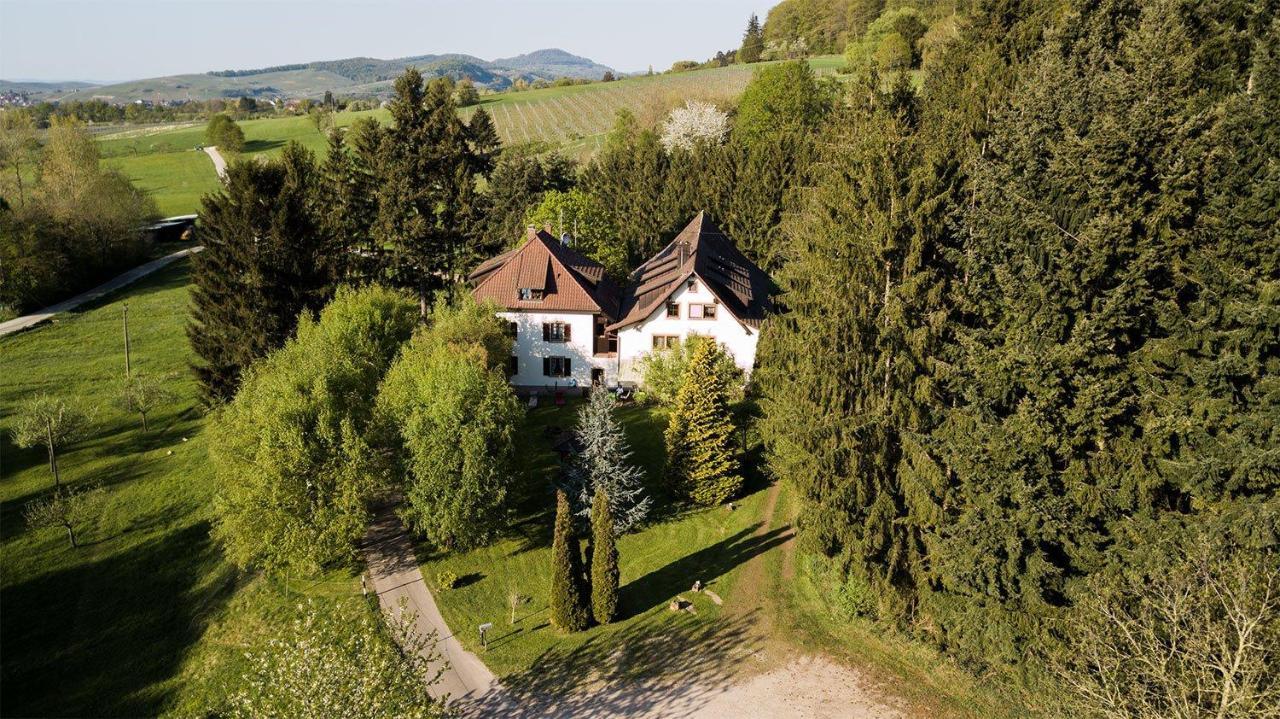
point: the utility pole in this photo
(127, 369)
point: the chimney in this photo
(531, 233)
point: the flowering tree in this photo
(694, 124)
(334, 662)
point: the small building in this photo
(573, 327)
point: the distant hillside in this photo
(40, 87)
(353, 75)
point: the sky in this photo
(116, 40)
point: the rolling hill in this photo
(348, 76)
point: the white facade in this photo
(531, 349)
(636, 341)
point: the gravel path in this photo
(394, 570)
(219, 164)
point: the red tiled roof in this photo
(571, 282)
(700, 249)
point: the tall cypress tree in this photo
(604, 560)
(702, 462)
(264, 263)
(569, 608)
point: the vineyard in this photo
(573, 119)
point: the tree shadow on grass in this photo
(93, 639)
(705, 565)
(261, 145)
(668, 665)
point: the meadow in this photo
(573, 119)
(145, 615)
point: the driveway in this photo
(394, 570)
(22, 323)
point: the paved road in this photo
(219, 164)
(22, 323)
(394, 570)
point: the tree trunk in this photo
(144, 422)
(71, 534)
(53, 457)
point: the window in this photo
(512, 329)
(702, 312)
(673, 310)
(529, 295)
(556, 367)
(691, 285)
(664, 342)
(555, 332)
(513, 366)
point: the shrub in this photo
(446, 579)
(662, 371)
(448, 418)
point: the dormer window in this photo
(527, 294)
(692, 285)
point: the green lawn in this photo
(657, 564)
(146, 615)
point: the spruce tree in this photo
(752, 41)
(848, 377)
(603, 466)
(604, 560)
(265, 262)
(569, 610)
(702, 461)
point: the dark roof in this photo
(570, 282)
(700, 249)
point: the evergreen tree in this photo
(604, 560)
(702, 461)
(521, 177)
(569, 610)
(752, 41)
(603, 466)
(428, 207)
(629, 176)
(265, 262)
(849, 378)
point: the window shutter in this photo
(546, 332)
(546, 366)
(567, 327)
(567, 371)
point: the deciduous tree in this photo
(51, 422)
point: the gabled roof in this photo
(569, 281)
(700, 249)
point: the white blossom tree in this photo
(694, 124)
(604, 464)
(338, 662)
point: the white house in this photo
(699, 284)
(574, 328)
(559, 304)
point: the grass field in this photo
(573, 118)
(145, 615)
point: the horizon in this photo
(31, 29)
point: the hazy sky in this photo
(113, 40)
